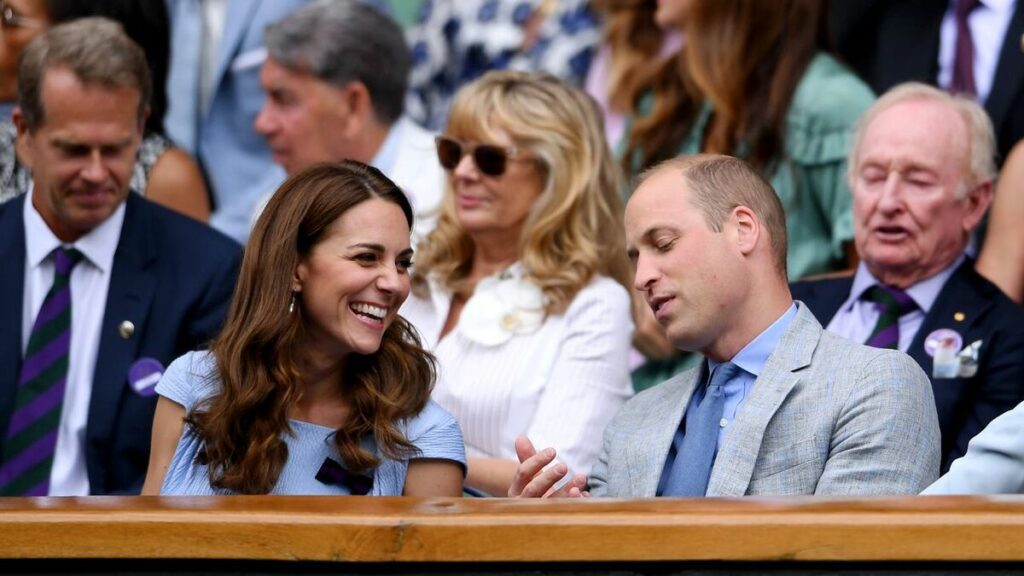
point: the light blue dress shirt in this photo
(856, 318)
(751, 360)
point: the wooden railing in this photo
(371, 530)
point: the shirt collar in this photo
(98, 246)
(1003, 6)
(387, 155)
(924, 293)
(754, 355)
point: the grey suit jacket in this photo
(826, 416)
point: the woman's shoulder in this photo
(190, 379)
(436, 434)
(825, 108)
(829, 96)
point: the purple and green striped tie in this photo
(32, 432)
(891, 303)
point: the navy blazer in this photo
(977, 310)
(172, 278)
(892, 41)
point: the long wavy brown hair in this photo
(635, 40)
(745, 58)
(259, 353)
(574, 229)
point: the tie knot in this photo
(963, 8)
(721, 374)
(891, 300)
(65, 259)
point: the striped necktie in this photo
(891, 303)
(32, 432)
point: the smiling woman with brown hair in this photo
(315, 385)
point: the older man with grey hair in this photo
(336, 75)
(921, 170)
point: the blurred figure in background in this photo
(521, 289)
(970, 47)
(1002, 255)
(214, 95)
(336, 77)
(455, 42)
(632, 51)
(162, 173)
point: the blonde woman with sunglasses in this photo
(521, 290)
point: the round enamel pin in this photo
(944, 339)
(143, 376)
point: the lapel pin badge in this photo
(943, 345)
(959, 316)
(144, 374)
(126, 329)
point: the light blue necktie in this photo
(182, 118)
(692, 466)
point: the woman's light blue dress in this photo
(191, 379)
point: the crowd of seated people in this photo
(397, 261)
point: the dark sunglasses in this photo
(490, 159)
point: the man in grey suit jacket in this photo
(806, 413)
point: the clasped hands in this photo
(533, 481)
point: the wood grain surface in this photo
(364, 529)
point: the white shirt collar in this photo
(98, 246)
(999, 5)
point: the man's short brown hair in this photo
(95, 50)
(718, 184)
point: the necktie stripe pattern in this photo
(892, 303)
(32, 432)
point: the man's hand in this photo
(532, 481)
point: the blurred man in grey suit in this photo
(779, 406)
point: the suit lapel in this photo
(647, 457)
(12, 290)
(959, 298)
(1009, 74)
(735, 462)
(240, 14)
(132, 284)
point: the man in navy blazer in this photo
(151, 285)
(921, 170)
(893, 41)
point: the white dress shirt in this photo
(90, 281)
(558, 380)
(988, 23)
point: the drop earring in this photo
(291, 304)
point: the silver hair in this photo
(344, 41)
(981, 140)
